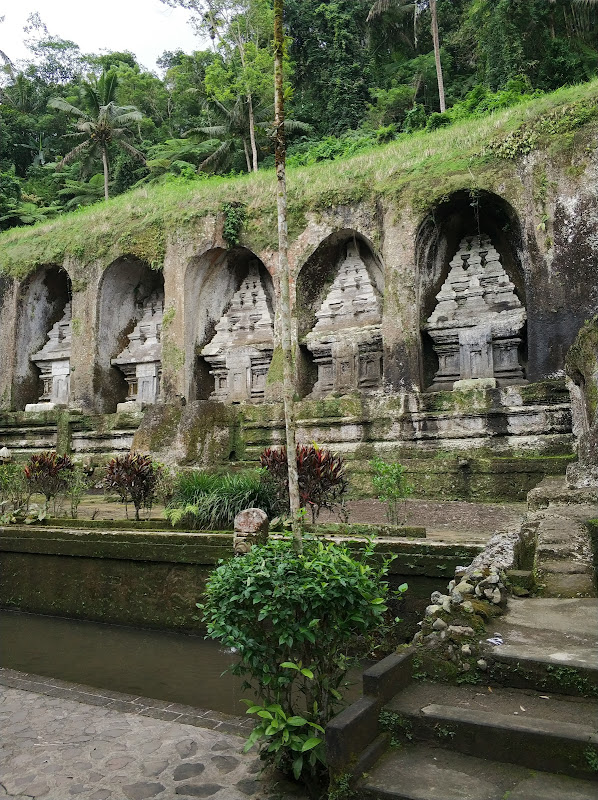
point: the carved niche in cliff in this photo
(477, 324)
(346, 341)
(54, 364)
(241, 351)
(141, 360)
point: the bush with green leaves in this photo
(321, 476)
(14, 488)
(392, 488)
(134, 477)
(293, 620)
(78, 482)
(211, 501)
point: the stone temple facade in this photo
(54, 364)
(346, 341)
(241, 351)
(141, 360)
(434, 338)
(476, 326)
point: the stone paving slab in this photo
(56, 745)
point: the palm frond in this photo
(382, 6)
(129, 116)
(296, 126)
(209, 130)
(63, 105)
(131, 150)
(218, 155)
(73, 155)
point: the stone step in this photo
(548, 643)
(424, 772)
(511, 725)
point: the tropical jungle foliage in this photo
(359, 73)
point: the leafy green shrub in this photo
(321, 474)
(292, 619)
(392, 488)
(134, 477)
(47, 473)
(211, 501)
(14, 489)
(78, 483)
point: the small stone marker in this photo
(251, 527)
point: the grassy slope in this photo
(417, 170)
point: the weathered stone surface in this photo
(476, 323)
(241, 351)
(251, 527)
(140, 791)
(53, 361)
(346, 341)
(141, 360)
(51, 770)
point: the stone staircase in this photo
(529, 731)
(564, 557)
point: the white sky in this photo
(144, 27)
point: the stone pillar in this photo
(84, 333)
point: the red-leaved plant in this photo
(322, 479)
(133, 476)
(47, 473)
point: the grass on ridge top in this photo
(420, 166)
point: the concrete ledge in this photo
(144, 706)
(350, 733)
(389, 676)
(353, 738)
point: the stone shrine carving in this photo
(241, 350)
(141, 360)
(477, 322)
(346, 341)
(54, 364)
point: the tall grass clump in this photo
(211, 500)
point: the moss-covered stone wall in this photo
(150, 578)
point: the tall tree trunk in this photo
(437, 55)
(247, 159)
(252, 131)
(283, 276)
(105, 163)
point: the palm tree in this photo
(107, 124)
(417, 6)
(241, 122)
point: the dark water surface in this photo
(158, 664)
(177, 667)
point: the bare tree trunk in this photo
(437, 56)
(247, 159)
(283, 276)
(105, 163)
(252, 131)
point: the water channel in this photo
(177, 667)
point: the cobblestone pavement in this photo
(58, 748)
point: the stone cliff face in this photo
(372, 328)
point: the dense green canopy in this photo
(359, 73)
